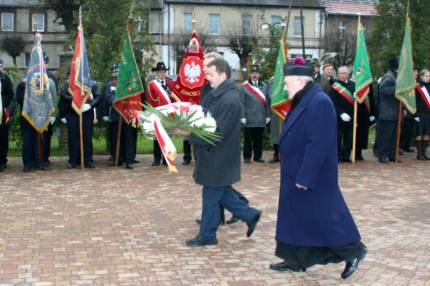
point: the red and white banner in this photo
(166, 144)
(256, 92)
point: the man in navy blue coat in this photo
(314, 224)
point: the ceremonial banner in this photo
(38, 106)
(80, 79)
(361, 72)
(191, 77)
(280, 102)
(405, 82)
(129, 86)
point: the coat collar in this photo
(222, 88)
(298, 110)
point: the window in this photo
(27, 59)
(246, 24)
(342, 28)
(7, 22)
(188, 23)
(38, 22)
(276, 20)
(214, 21)
(298, 25)
(154, 26)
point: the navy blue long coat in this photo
(318, 216)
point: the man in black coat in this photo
(388, 114)
(342, 94)
(7, 99)
(218, 167)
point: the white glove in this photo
(417, 119)
(243, 120)
(372, 118)
(95, 120)
(267, 120)
(105, 118)
(345, 117)
(52, 120)
(86, 107)
(113, 88)
(64, 120)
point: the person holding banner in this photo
(254, 96)
(422, 116)
(72, 121)
(159, 93)
(342, 95)
(388, 109)
(6, 101)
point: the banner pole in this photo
(399, 127)
(354, 131)
(81, 140)
(118, 140)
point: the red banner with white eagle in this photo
(191, 77)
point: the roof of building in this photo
(265, 3)
(351, 7)
(19, 3)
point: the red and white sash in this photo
(424, 95)
(161, 92)
(256, 92)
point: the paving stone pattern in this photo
(113, 226)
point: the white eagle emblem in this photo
(192, 72)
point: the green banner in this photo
(280, 102)
(129, 85)
(361, 72)
(405, 83)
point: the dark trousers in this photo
(212, 198)
(276, 151)
(387, 139)
(157, 152)
(407, 133)
(187, 150)
(134, 140)
(126, 147)
(240, 196)
(30, 145)
(74, 137)
(4, 143)
(46, 146)
(253, 141)
(344, 140)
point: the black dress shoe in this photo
(129, 166)
(247, 161)
(351, 266)
(394, 160)
(156, 163)
(232, 220)
(383, 160)
(199, 221)
(274, 160)
(89, 165)
(26, 169)
(186, 162)
(135, 161)
(253, 224)
(71, 166)
(45, 168)
(197, 242)
(164, 163)
(346, 160)
(259, 161)
(283, 266)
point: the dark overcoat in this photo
(318, 216)
(219, 165)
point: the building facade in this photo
(22, 18)
(220, 21)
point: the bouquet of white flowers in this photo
(180, 119)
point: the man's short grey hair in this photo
(343, 69)
(213, 55)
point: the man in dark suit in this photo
(7, 99)
(218, 167)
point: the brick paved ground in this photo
(112, 226)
